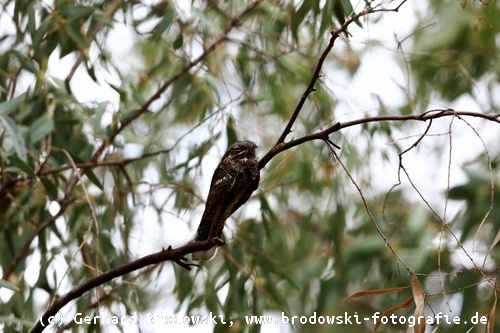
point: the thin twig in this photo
(368, 211)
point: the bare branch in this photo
(119, 163)
(323, 135)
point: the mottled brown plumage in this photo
(233, 182)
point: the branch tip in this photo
(330, 142)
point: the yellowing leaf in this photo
(490, 326)
(419, 298)
(374, 292)
(403, 305)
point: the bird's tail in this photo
(204, 255)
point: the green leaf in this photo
(7, 285)
(370, 247)
(75, 32)
(26, 62)
(15, 135)
(40, 34)
(101, 17)
(31, 26)
(274, 294)
(40, 129)
(50, 188)
(340, 12)
(164, 24)
(230, 132)
(178, 42)
(93, 178)
(326, 16)
(91, 72)
(97, 114)
(74, 12)
(348, 11)
(10, 106)
(298, 17)
(17, 162)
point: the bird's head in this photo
(242, 149)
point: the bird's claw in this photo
(219, 241)
(185, 265)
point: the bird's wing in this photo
(230, 189)
(219, 197)
(247, 193)
(217, 208)
(239, 197)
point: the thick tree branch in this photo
(323, 135)
(176, 255)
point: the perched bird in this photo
(233, 182)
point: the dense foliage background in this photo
(114, 114)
